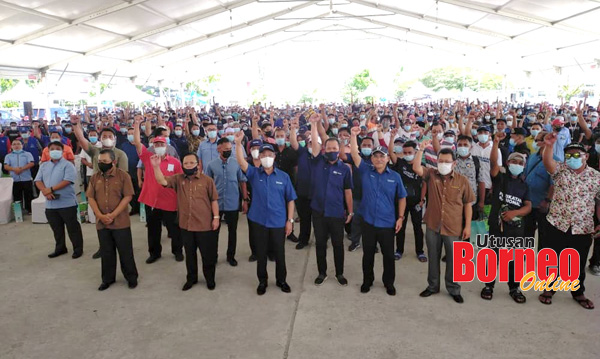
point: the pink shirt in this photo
(154, 194)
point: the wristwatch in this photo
(216, 217)
(351, 214)
(291, 220)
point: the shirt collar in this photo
(112, 172)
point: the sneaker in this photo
(397, 256)
(341, 280)
(595, 270)
(320, 279)
(353, 247)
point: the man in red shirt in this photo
(161, 202)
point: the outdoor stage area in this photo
(51, 308)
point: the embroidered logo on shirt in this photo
(336, 173)
(391, 181)
(277, 182)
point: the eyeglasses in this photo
(573, 155)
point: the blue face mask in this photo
(398, 149)
(196, 132)
(302, 143)
(18, 151)
(462, 151)
(331, 156)
(288, 143)
(123, 130)
(515, 169)
(483, 138)
(168, 141)
(474, 132)
(93, 139)
(178, 133)
(334, 131)
(534, 133)
(574, 163)
(221, 132)
(409, 158)
(512, 142)
(366, 151)
(130, 138)
(212, 134)
(535, 146)
(280, 141)
(344, 125)
(597, 148)
(55, 154)
(68, 129)
(231, 138)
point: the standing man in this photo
(109, 194)
(207, 150)
(271, 213)
(286, 159)
(161, 203)
(56, 181)
(132, 160)
(197, 203)
(303, 183)
(383, 190)
(18, 164)
(449, 194)
(229, 179)
(333, 190)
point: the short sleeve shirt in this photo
(195, 195)
(270, 195)
(108, 191)
(51, 174)
(19, 160)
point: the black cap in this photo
(266, 147)
(380, 149)
(575, 146)
(501, 120)
(483, 128)
(519, 131)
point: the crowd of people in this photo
(354, 169)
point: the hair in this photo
(463, 137)
(447, 151)
(368, 138)
(190, 154)
(53, 132)
(330, 139)
(279, 129)
(537, 123)
(436, 123)
(344, 129)
(158, 131)
(223, 140)
(265, 125)
(20, 139)
(62, 147)
(110, 152)
(412, 144)
(106, 129)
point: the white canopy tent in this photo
(160, 40)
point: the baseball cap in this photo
(256, 143)
(517, 155)
(380, 149)
(519, 131)
(483, 128)
(159, 139)
(575, 146)
(558, 121)
(266, 147)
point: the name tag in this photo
(337, 173)
(277, 182)
(170, 167)
(391, 181)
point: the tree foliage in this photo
(357, 85)
(567, 92)
(455, 78)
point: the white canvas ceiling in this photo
(159, 39)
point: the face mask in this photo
(362, 117)
(451, 120)
(345, 142)
(331, 121)
(93, 139)
(407, 128)
(474, 132)
(130, 138)
(68, 129)
(462, 151)
(25, 135)
(409, 158)
(254, 153)
(190, 171)
(331, 156)
(104, 167)
(444, 168)
(18, 151)
(449, 139)
(196, 132)
(508, 123)
(440, 136)
(514, 169)
(268, 133)
(221, 132)
(160, 151)
(288, 143)
(168, 141)
(512, 142)
(535, 146)
(302, 143)
(143, 128)
(57, 140)
(487, 117)
(212, 134)
(178, 133)
(366, 151)
(531, 118)
(245, 128)
(226, 154)
(573, 118)
(344, 125)
(334, 131)
(215, 121)
(574, 163)
(534, 133)
(56, 154)
(267, 162)
(13, 128)
(589, 125)
(594, 119)
(310, 150)
(107, 142)
(417, 134)
(494, 122)
(231, 138)
(280, 141)
(597, 148)
(397, 149)
(236, 130)
(123, 131)
(519, 112)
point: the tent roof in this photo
(160, 39)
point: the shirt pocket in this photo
(454, 193)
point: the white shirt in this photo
(89, 171)
(483, 154)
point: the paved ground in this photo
(52, 309)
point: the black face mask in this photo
(105, 167)
(268, 133)
(226, 154)
(190, 172)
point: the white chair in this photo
(38, 210)
(6, 200)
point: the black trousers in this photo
(508, 232)
(305, 213)
(325, 228)
(416, 218)
(135, 205)
(559, 240)
(231, 219)
(111, 242)
(385, 237)
(154, 219)
(265, 238)
(207, 243)
(23, 192)
(537, 220)
(595, 258)
(58, 219)
(251, 237)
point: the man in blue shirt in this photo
(132, 159)
(228, 177)
(563, 137)
(33, 146)
(334, 186)
(19, 164)
(207, 151)
(366, 148)
(55, 180)
(272, 202)
(382, 191)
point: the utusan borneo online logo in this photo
(534, 271)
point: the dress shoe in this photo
(252, 258)
(262, 289)
(104, 286)
(292, 237)
(365, 288)
(56, 254)
(179, 257)
(211, 285)
(301, 245)
(426, 293)
(151, 259)
(96, 255)
(188, 285)
(341, 280)
(458, 298)
(77, 255)
(132, 284)
(232, 262)
(390, 290)
(284, 287)
(271, 258)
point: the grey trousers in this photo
(434, 241)
(357, 221)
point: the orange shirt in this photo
(67, 154)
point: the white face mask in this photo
(509, 123)
(444, 168)
(160, 151)
(267, 162)
(255, 154)
(440, 136)
(107, 142)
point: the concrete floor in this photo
(50, 308)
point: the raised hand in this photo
(155, 161)
(238, 137)
(499, 136)
(355, 131)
